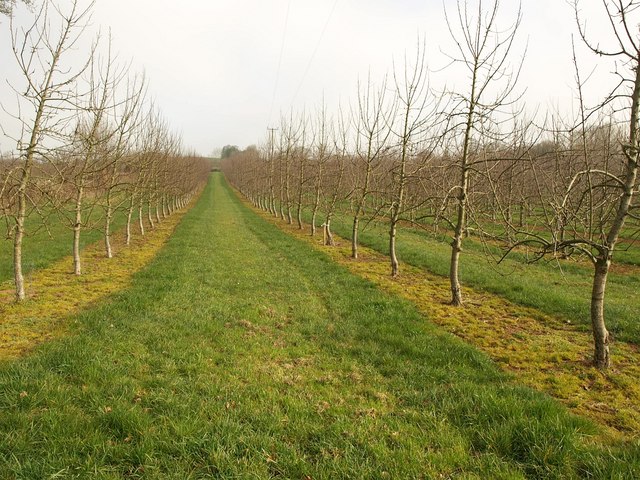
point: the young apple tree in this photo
(482, 49)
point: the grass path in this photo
(545, 352)
(240, 352)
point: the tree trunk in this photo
(316, 202)
(521, 215)
(19, 231)
(107, 233)
(329, 236)
(456, 291)
(140, 219)
(151, 224)
(392, 248)
(128, 229)
(600, 333)
(287, 196)
(300, 194)
(456, 244)
(461, 217)
(17, 251)
(77, 266)
(354, 237)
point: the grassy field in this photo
(43, 246)
(240, 352)
(553, 287)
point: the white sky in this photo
(213, 64)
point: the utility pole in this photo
(272, 199)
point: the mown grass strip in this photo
(54, 293)
(545, 352)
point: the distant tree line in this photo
(229, 151)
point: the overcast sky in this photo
(221, 71)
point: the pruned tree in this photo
(371, 125)
(416, 134)
(271, 167)
(483, 49)
(300, 157)
(127, 116)
(598, 158)
(340, 139)
(290, 131)
(92, 145)
(39, 51)
(320, 155)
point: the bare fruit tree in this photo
(40, 51)
(599, 159)
(321, 154)
(94, 143)
(417, 114)
(372, 142)
(300, 157)
(127, 115)
(290, 134)
(335, 178)
(483, 49)
(628, 50)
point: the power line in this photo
(315, 51)
(284, 37)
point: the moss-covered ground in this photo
(54, 293)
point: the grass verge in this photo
(545, 352)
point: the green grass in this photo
(242, 353)
(627, 252)
(43, 246)
(557, 288)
